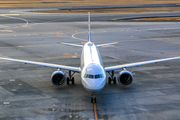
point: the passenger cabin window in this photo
(94, 76)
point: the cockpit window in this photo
(86, 76)
(91, 76)
(97, 76)
(101, 75)
(94, 76)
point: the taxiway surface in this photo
(26, 91)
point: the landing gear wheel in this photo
(91, 100)
(109, 80)
(114, 80)
(94, 100)
(67, 80)
(72, 80)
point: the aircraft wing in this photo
(138, 64)
(106, 44)
(71, 44)
(76, 69)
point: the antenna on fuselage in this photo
(89, 26)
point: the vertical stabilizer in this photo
(89, 26)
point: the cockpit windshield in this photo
(93, 76)
(97, 76)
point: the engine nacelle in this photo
(58, 78)
(125, 78)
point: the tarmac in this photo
(26, 91)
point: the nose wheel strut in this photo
(70, 78)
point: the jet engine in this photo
(125, 78)
(58, 78)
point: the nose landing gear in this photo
(93, 98)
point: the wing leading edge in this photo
(138, 64)
(76, 69)
(71, 44)
(106, 44)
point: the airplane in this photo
(92, 70)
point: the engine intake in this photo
(58, 78)
(125, 78)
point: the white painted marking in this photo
(6, 103)
(13, 89)
(70, 116)
(8, 14)
(6, 31)
(12, 80)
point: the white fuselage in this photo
(93, 75)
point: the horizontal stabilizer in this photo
(106, 44)
(72, 44)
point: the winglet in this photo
(89, 26)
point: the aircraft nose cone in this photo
(94, 84)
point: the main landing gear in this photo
(93, 98)
(70, 78)
(111, 78)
